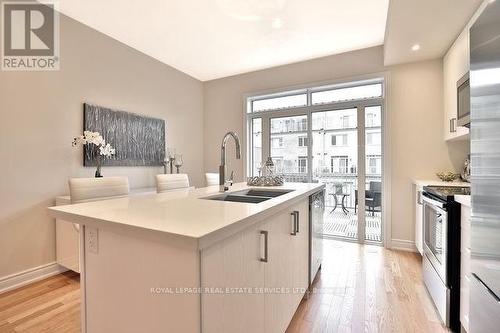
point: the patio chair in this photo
(373, 197)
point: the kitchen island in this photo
(188, 261)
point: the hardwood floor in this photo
(367, 289)
(51, 305)
(359, 289)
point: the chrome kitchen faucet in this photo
(223, 183)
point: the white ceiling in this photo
(433, 24)
(218, 38)
(210, 39)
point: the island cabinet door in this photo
(286, 272)
(300, 258)
(254, 281)
(232, 276)
(279, 273)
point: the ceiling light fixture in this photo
(415, 47)
(277, 23)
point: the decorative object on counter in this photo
(93, 141)
(169, 161)
(275, 180)
(178, 162)
(139, 140)
(447, 176)
(268, 178)
(466, 171)
(269, 167)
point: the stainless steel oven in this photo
(441, 259)
(435, 234)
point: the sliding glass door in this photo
(319, 136)
(335, 163)
(373, 173)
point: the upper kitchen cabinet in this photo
(455, 66)
(456, 63)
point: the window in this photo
(302, 125)
(374, 164)
(373, 138)
(302, 141)
(302, 164)
(369, 120)
(277, 142)
(278, 164)
(277, 103)
(339, 164)
(347, 94)
(317, 95)
(288, 124)
(373, 116)
(345, 121)
(339, 139)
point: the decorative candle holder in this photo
(178, 162)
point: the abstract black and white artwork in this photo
(138, 140)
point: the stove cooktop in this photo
(447, 192)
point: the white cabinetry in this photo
(455, 65)
(465, 266)
(417, 200)
(67, 241)
(258, 295)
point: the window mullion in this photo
(266, 138)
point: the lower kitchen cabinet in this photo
(465, 271)
(260, 292)
(417, 199)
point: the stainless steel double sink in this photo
(249, 195)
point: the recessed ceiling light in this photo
(277, 23)
(415, 47)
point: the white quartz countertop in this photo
(438, 182)
(183, 213)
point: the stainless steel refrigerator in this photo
(485, 174)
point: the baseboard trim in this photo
(28, 276)
(403, 245)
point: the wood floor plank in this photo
(375, 290)
(51, 305)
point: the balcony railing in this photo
(341, 184)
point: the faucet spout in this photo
(222, 168)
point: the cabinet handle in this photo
(294, 232)
(453, 126)
(265, 233)
(297, 221)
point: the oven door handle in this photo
(433, 202)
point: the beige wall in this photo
(40, 112)
(415, 106)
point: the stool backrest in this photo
(93, 189)
(211, 179)
(168, 182)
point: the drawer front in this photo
(484, 309)
(436, 288)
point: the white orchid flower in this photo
(94, 138)
(106, 150)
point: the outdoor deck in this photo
(338, 224)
